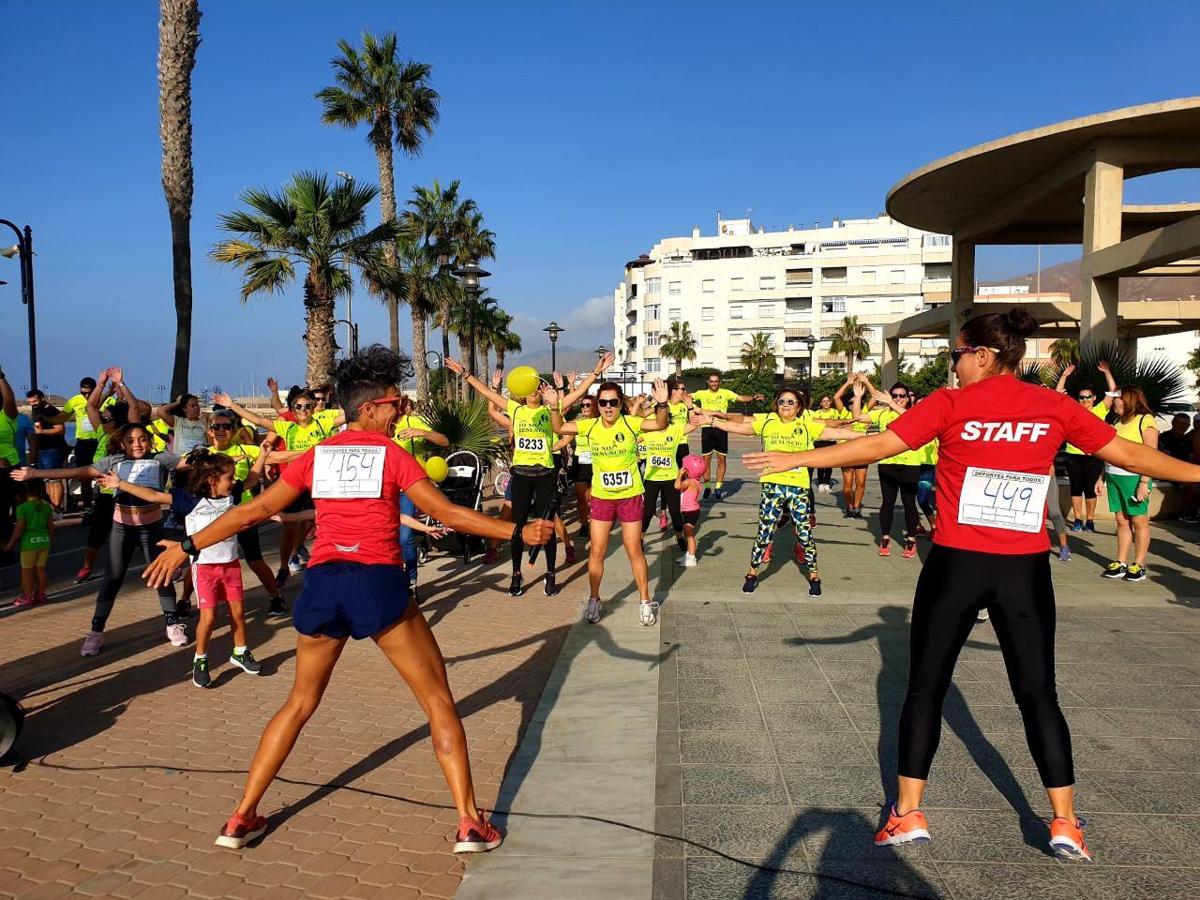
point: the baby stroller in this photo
(464, 487)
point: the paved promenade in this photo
(734, 751)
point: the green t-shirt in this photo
(8, 439)
(679, 413)
(36, 516)
(660, 446)
(715, 401)
(882, 417)
(418, 447)
(795, 436)
(533, 435)
(614, 456)
(301, 437)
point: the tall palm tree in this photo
(850, 340)
(504, 339)
(1064, 352)
(178, 39)
(315, 225)
(758, 354)
(376, 87)
(679, 346)
(426, 286)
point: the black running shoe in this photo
(707, 493)
(246, 662)
(814, 587)
(200, 677)
(749, 584)
(278, 608)
(515, 587)
(549, 586)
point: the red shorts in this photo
(627, 510)
(217, 583)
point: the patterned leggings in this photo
(775, 500)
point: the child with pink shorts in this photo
(217, 571)
(691, 469)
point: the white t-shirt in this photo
(188, 435)
(203, 515)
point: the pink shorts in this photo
(217, 583)
(627, 510)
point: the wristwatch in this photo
(188, 546)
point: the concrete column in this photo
(962, 290)
(889, 370)
(1102, 201)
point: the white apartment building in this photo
(790, 284)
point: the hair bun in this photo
(1020, 321)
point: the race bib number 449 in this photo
(346, 472)
(616, 480)
(995, 498)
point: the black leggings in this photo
(1083, 472)
(532, 494)
(102, 521)
(670, 499)
(251, 544)
(824, 476)
(895, 479)
(121, 544)
(1017, 592)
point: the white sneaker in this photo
(177, 635)
(982, 616)
(591, 613)
(647, 612)
(687, 560)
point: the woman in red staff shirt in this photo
(356, 585)
(998, 438)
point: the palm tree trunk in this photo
(463, 390)
(178, 38)
(387, 209)
(420, 369)
(448, 386)
(318, 332)
(499, 357)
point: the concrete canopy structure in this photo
(1064, 184)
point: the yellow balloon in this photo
(523, 381)
(436, 469)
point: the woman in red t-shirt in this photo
(998, 436)
(355, 585)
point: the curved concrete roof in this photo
(957, 189)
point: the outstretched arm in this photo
(113, 482)
(860, 452)
(475, 384)
(241, 411)
(1061, 387)
(1146, 460)
(740, 426)
(1108, 377)
(586, 385)
(54, 474)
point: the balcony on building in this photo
(798, 309)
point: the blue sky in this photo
(584, 131)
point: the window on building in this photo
(799, 276)
(674, 315)
(653, 311)
(674, 287)
(766, 283)
(833, 305)
(766, 310)
(833, 273)
(736, 284)
(654, 365)
(706, 341)
(935, 240)
(653, 285)
(736, 339)
(937, 271)
(653, 339)
(896, 276)
(707, 313)
(708, 285)
(867, 276)
(826, 368)
(735, 311)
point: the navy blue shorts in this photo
(347, 599)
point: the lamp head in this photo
(10, 252)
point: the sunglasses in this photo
(782, 402)
(1087, 396)
(299, 406)
(382, 401)
(219, 426)
(107, 419)
(899, 396)
(959, 352)
(607, 403)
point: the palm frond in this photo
(467, 426)
(269, 275)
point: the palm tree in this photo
(1064, 352)
(679, 346)
(758, 354)
(392, 95)
(178, 38)
(850, 340)
(504, 339)
(319, 227)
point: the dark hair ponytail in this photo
(1005, 333)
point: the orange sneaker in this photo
(1066, 840)
(885, 547)
(241, 830)
(907, 829)
(476, 837)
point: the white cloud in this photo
(587, 324)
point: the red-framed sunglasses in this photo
(382, 401)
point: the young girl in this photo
(688, 486)
(34, 530)
(216, 572)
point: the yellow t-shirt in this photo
(1099, 410)
(795, 436)
(533, 435)
(159, 432)
(77, 407)
(243, 456)
(715, 401)
(418, 447)
(929, 453)
(614, 456)
(881, 418)
(660, 447)
(678, 413)
(301, 437)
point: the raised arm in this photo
(243, 413)
(95, 398)
(500, 418)
(841, 392)
(123, 391)
(1061, 387)
(586, 385)
(662, 410)
(1108, 378)
(475, 384)
(857, 413)
(254, 476)
(550, 398)
(273, 393)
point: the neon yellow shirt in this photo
(715, 401)
(418, 447)
(101, 452)
(831, 413)
(678, 413)
(929, 453)
(1099, 410)
(301, 437)
(77, 407)
(881, 418)
(614, 456)
(533, 435)
(8, 439)
(660, 447)
(159, 431)
(795, 436)
(243, 456)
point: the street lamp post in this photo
(811, 342)
(23, 249)
(554, 330)
(470, 273)
(353, 329)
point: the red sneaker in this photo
(885, 548)
(241, 830)
(24, 601)
(910, 549)
(476, 837)
(83, 575)
(1066, 840)
(907, 829)
(490, 555)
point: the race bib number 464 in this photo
(995, 498)
(346, 472)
